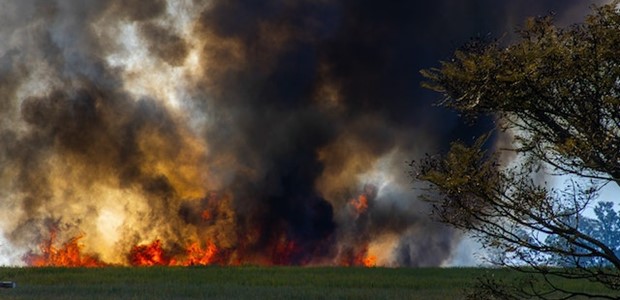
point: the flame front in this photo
(149, 255)
(281, 251)
(68, 255)
(196, 256)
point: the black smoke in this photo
(288, 94)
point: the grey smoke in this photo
(300, 104)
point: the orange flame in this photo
(370, 261)
(69, 255)
(360, 204)
(280, 249)
(153, 254)
(358, 257)
(364, 259)
(197, 256)
(148, 255)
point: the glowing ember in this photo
(284, 251)
(358, 258)
(206, 215)
(68, 255)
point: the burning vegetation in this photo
(282, 251)
(169, 136)
(69, 254)
(216, 132)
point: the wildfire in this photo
(149, 255)
(363, 259)
(68, 255)
(358, 257)
(370, 261)
(154, 254)
(197, 256)
(284, 251)
(213, 215)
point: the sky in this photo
(270, 129)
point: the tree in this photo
(605, 228)
(556, 92)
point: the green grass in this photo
(240, 283)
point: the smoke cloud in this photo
(276, 130)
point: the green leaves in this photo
(557, 92)
(560, 86)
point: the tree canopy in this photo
(556, 93)
(605, 227)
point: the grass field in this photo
(240, 283)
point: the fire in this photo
(68, 255)
(360, 204)
(197, 256)
(212, 216)
(284, 252)
(363, 259)
(154, 254)
(358, 257)
(201, 134)
(149, 255)
(206, 215)
(370, 261)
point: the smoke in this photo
(252, 126)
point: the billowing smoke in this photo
(276, 132)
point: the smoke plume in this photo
(276, 132)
